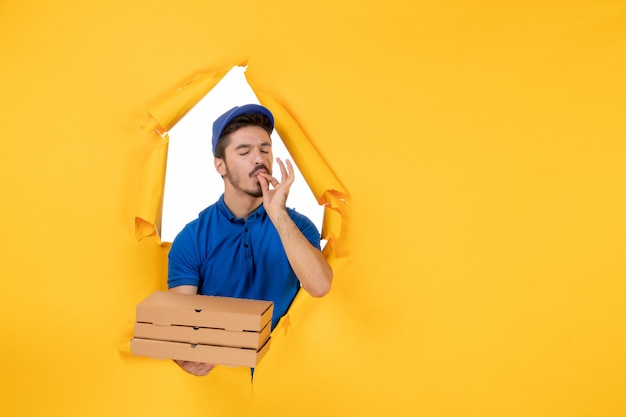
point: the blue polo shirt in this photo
(226, 256)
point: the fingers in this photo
(196, 368)
(263, 182)
(286, 174)
(266, 179)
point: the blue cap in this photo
(222, 121)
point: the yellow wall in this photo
(482, 145)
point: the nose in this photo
(258, 156)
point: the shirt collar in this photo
(224, 210)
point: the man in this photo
(248, 244)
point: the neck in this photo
(241, 204)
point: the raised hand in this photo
(275, 198)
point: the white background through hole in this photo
(191, 182)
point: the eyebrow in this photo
(246, 145)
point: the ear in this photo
(220, 166)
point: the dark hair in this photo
(250, 119)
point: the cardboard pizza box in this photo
(203, 335)
(220, 330)
(199, 353)
(234, 314)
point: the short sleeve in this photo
(307, 227)
(183, 261)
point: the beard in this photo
(235, 180)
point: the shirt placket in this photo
(247, 245)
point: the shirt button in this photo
(245, 230)
(245, 245)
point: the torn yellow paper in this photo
(167, 111)
(317, 174)
(148, 216)
(325, 186)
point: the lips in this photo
(258, 169)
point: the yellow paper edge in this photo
(168, 110)
(326, 188)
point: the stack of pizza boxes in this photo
(200, 328)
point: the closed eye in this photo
(243, 149)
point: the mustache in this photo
(257, 169)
